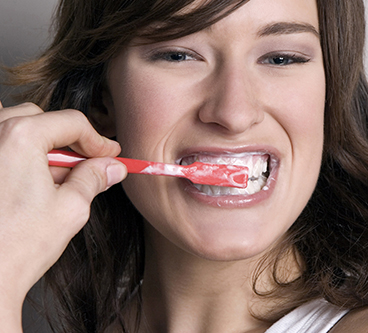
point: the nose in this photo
(232, 103)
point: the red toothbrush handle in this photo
(198, 173)
(64, 158)
(70, 159)
(134, 166)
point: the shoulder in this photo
(356, 321)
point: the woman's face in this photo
(248, 90)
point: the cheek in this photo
(147, 111)
(302, 111)
(306, 130)
(309, 125)
(299, 113)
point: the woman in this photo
(278, 86)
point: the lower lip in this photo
(233, 201)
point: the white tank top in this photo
(317, 316)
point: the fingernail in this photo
(115, 173)
(110, 141)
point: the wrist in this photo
(10, 315)
(11, 303)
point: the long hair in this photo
(104, 263)
(330, 237)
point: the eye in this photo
(174, 56)
(283, 59)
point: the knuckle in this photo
(21, 110)
(80, 120)
(82, 208)
(76, 115)
(79, 210)
(92, 179)
(98, 179)
(16, 128)
(31, 108)
(90, 141)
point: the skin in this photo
(355, 321)
(226, 95)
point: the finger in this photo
(1, 105)
(94, 176)
(72, 128)
(57, 129)
(25, 109)
(88, 179)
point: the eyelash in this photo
(271, 59)
(276, 59)
(165, 56)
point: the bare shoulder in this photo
(356, 321)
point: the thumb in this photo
(88, 179)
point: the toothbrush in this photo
(198, 173)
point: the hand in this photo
(42, 208)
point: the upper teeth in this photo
(257, 164)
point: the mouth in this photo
(258, 164)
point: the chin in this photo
(225, 246)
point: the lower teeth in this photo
(254, 186)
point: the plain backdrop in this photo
(24, 32)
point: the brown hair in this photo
(330, 237)
(104, 263)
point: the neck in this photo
(185, 293)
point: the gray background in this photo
(24, 32)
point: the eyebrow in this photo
(281, 28)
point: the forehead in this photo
(275, 17)
(218, 14)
